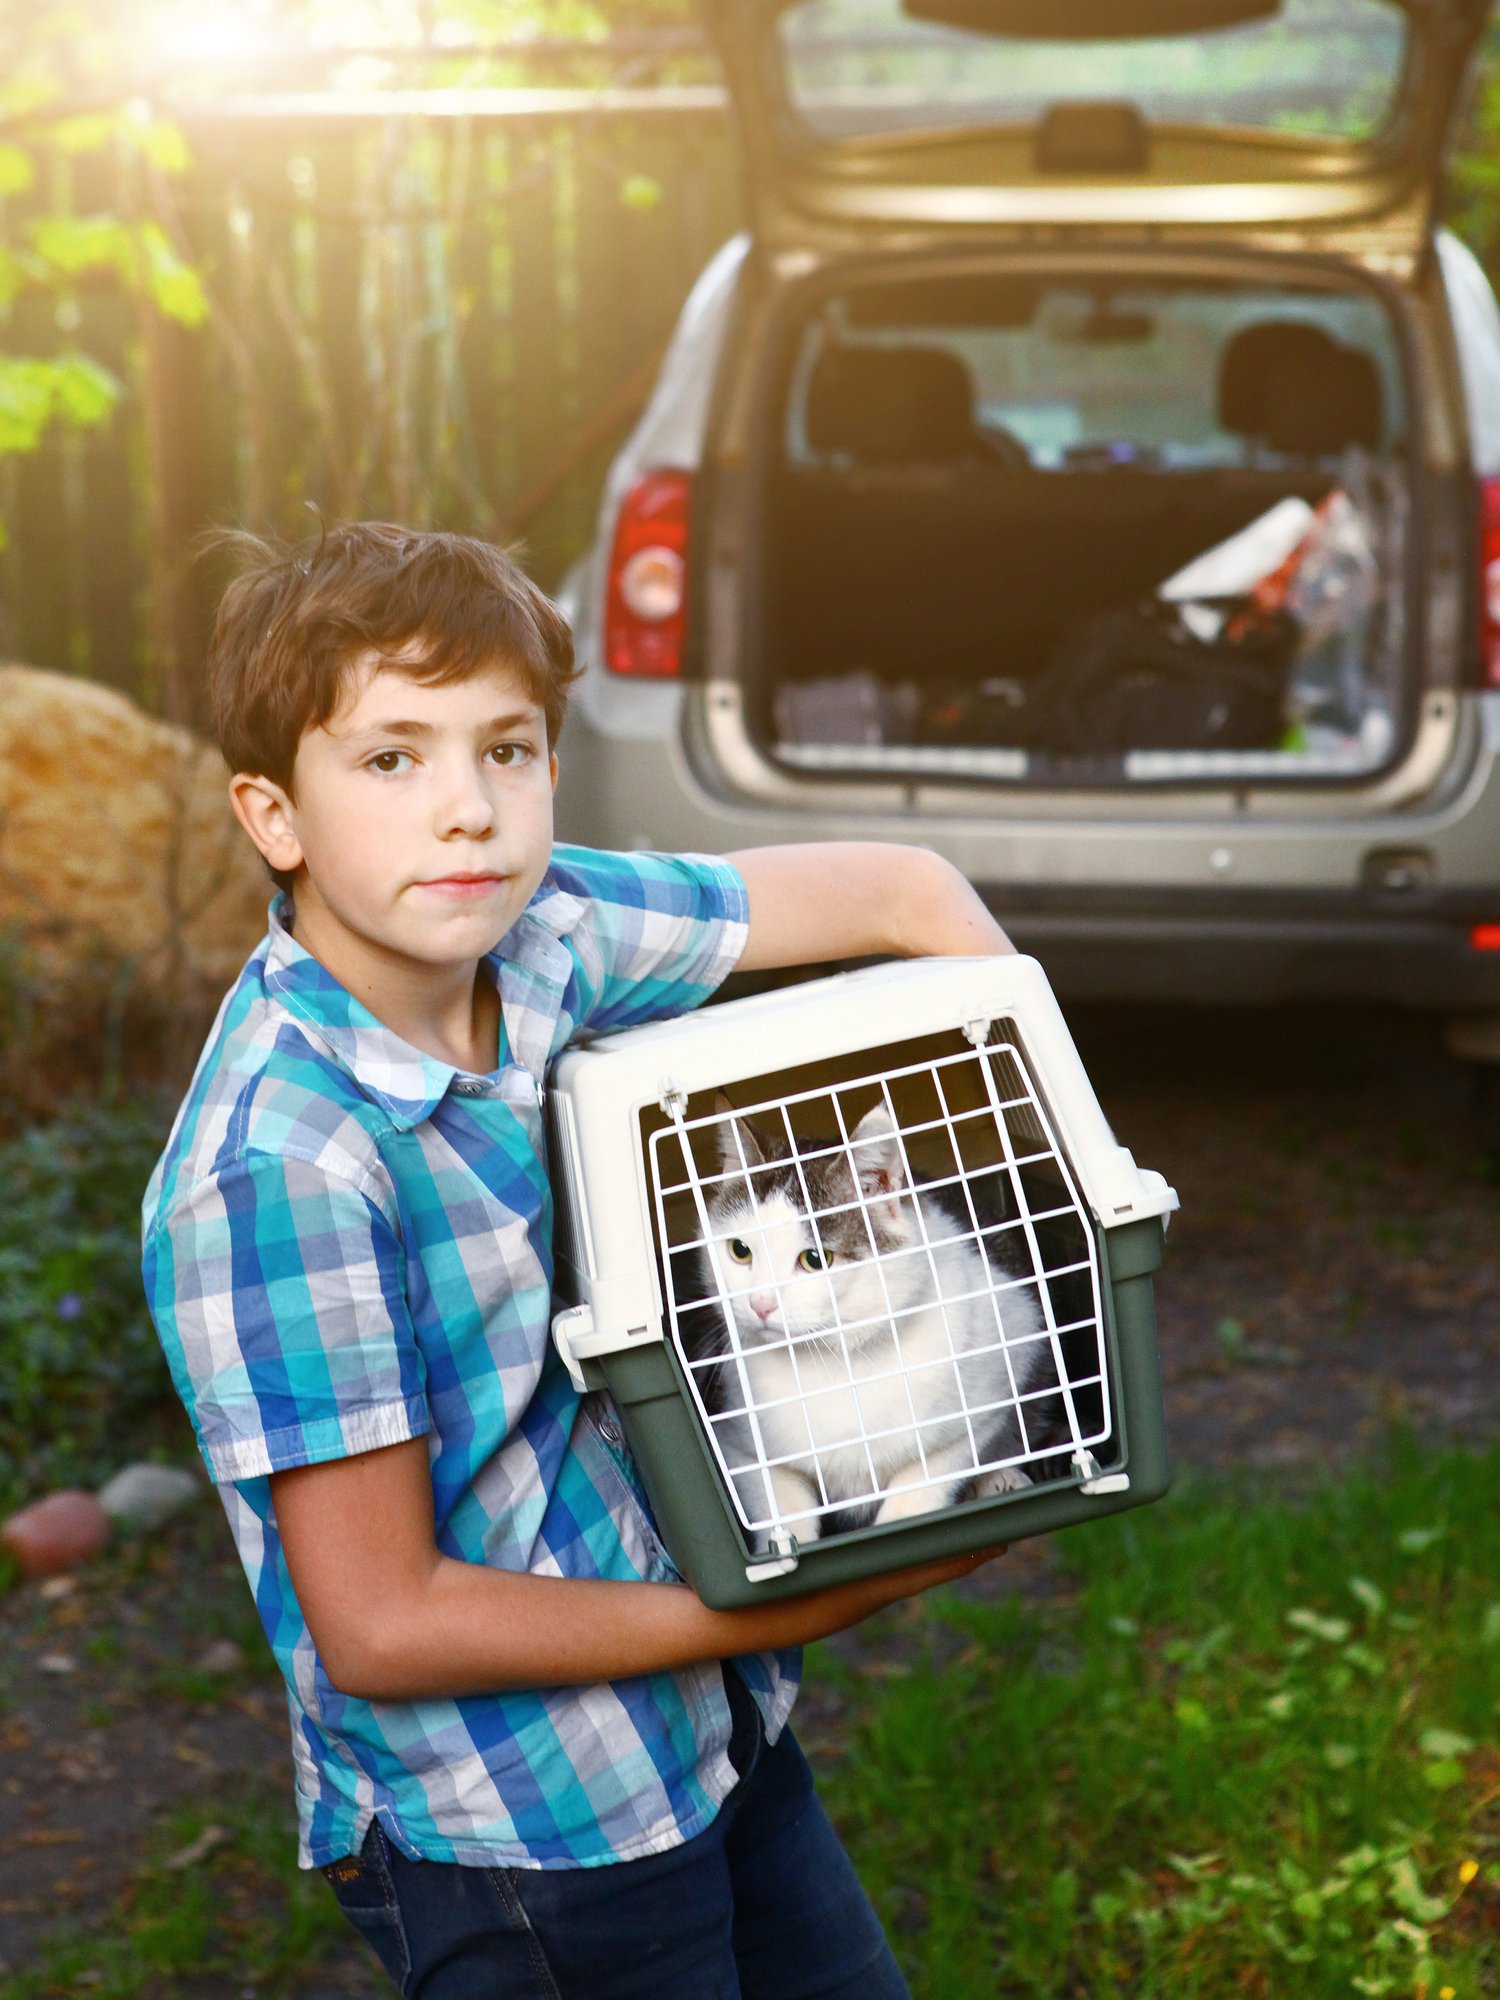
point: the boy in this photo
(529, 1759)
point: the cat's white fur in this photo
(870, 1348)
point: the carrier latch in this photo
(1092, 1480)
(780, 1558)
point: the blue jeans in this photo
(762, 1905)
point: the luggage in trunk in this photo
(1054, 530)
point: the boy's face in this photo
(419, 823)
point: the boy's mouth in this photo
(463, 887)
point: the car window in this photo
(1085, 377)
(1327, 68)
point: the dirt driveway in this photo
(1335, 1265)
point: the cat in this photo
(840, 1316)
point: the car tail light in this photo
(1485, 937)
(1489, 581)
(643, 613)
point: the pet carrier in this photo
(864, 1271)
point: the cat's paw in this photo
(1005, 1479)
(911, 1500)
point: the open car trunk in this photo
(1052, 527)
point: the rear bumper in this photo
(1422, 961)
(1133, 906)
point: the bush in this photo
(78, 1355)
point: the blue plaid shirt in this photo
(348, 1244)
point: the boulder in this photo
(116, 831)
(52, 1534)
(144, 1495)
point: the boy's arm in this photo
(393, 1619)
(853, 899)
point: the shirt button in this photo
(609, 1430)
(466, 1087)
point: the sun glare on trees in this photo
(231, 32)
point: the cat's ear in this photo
(877, 1154)
(748, 1152)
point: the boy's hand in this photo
(825, 1612)
(857, 899)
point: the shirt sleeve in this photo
(278, 1291)
(660, 932)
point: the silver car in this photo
(1087, 466)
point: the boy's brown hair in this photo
(294, 620)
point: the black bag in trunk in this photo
(1140, 680)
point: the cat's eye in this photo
(740, 1251)
(813, 1260)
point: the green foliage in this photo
(34, 394)
(79, 1359)
(1474, 204)
(139, 254)
(1255, 1753)
(65, 93)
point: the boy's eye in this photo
(812, 1260)
(511, 753)
(739, 1250)
(387, 761)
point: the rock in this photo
(197, 1850)
(143, 1496)
(52, 1534)
(118, 831)
(220, 1656)
(56, 1663)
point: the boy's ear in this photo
(552, 760)
(264, 811)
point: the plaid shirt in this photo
(347, 1244)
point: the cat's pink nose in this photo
(763, 1304)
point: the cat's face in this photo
(787, 1270)
(771, 1267)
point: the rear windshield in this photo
(1077, 376)
(1325, 68)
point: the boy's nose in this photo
(466, 808)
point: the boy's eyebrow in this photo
(521, 718)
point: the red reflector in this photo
(646, 599)
(1489, 582)
(1485, 937)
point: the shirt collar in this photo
(531, 966)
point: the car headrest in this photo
(889, 405)
(1294, 388)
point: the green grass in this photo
(1253, 1750)
(1250, 1749)
(217, 1905)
